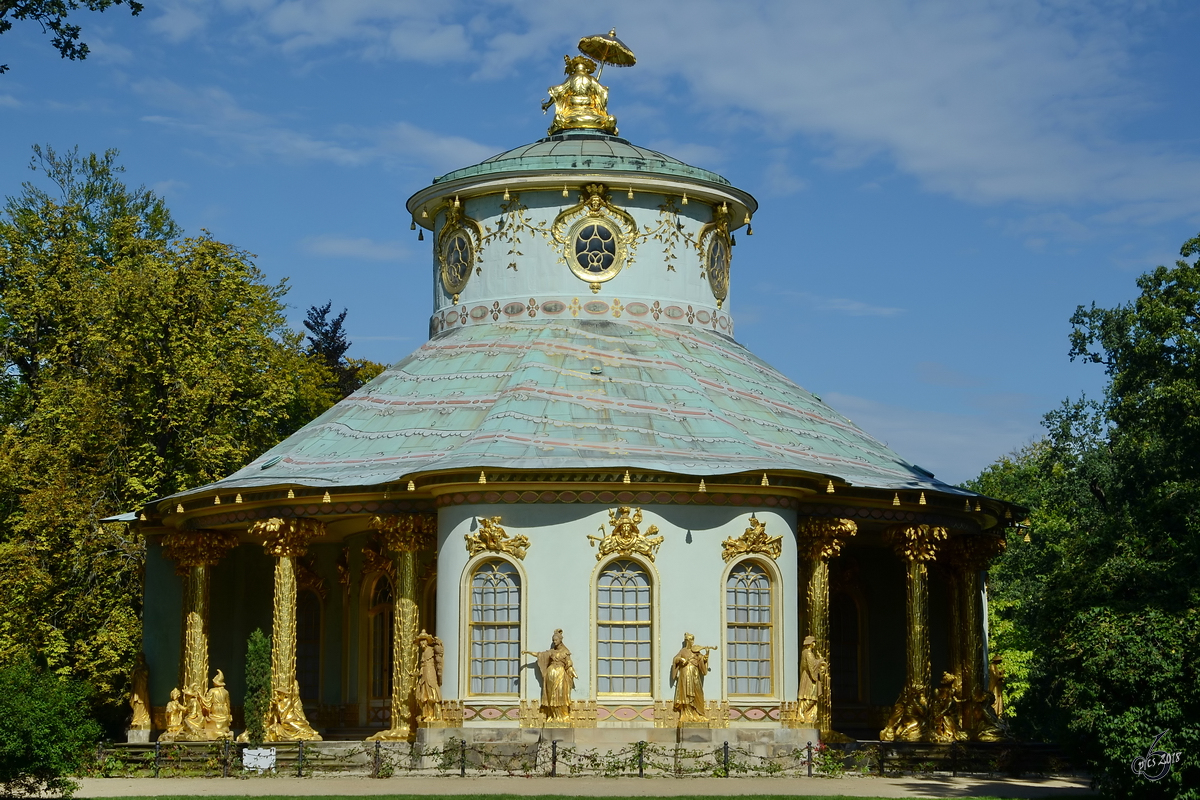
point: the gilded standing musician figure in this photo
(688, 669)
(139, 695)
(429, 677)
(580, 101)
(814, 672)
(558, 679)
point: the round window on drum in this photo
(457, 256)
(595, 251)
(716, 264)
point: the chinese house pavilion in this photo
(581, 504)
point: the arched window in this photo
(623, 630)
(495, 628)
(308, 645)
(379, 620)
(749, 664)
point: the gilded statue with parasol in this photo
(581, 102)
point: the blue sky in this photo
(941, 183)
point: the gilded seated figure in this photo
(580, 101)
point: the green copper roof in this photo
(577, 393)
(582, 151)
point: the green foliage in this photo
(52, 15)
(258, 685)
(1100, 611)
(135, 363)
(328, 344)
(44, 731)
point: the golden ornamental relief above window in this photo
(457, 249)
(754, 540)
(595, 237)
(626, 537)
(491, 538)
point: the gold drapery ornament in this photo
(823, 537)
(308, 579)
(492, 538)
(375, 559)
(917, 542)
(753, 540)
(626, 539)
(406, 532)
(287, 537)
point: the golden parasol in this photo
(606, 48)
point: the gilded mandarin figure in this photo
(580, 101)
(216, 709)
(946, 712)
(174, 711)
(688, 669)
(429, 677)
(558, 679)
(139, 695)
(814, 672)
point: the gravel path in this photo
(587, 787)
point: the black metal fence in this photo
(553, 759)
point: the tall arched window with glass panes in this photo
(495, 629)
(624, 630)
(749, 631)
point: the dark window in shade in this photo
(380, 624)
(308, 645)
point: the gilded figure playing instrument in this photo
(580, 101)
(688, 669)
(814, 672)
(429, 677)
(558, 679)
(175, 711)
(139, 695)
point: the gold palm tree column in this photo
(916, 545)
(406, 535)
(194, 552)
(970, 556)
(820, 539)
(286, 540)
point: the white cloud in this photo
(990, 102)
(361, 248)
(213, 112)
(8, 101)
(955, 447)
(179, 20)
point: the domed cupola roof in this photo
(581, 322)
